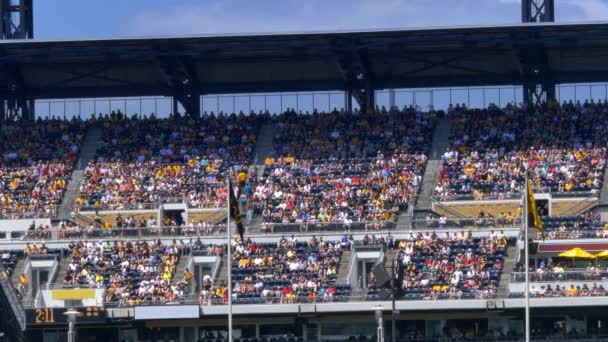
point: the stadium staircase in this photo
(433, 166)
(91, 141)
(343, 267)
(12, 314)
(181, 267)
(61, 271)
(19, 266)
(262, 148)
(507, 268)
(361, 294)
(264, 144)
(603, 202)
(223, 273)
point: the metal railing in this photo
(53, 272)
(124, 232)
(165, 232)
(599, 233)
(120, 206)
(519, 277)
(465, 223)
(11, 297)
(513, 195)
(38, 214)
(471, 197)
(351, 278)
(218, 267)
(589, 338)
(337, 226)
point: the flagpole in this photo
(229, 247)
(526, 264)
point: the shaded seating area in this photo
(287, 273)
(455, 267)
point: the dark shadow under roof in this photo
(436, 57)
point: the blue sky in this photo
(82, 19)
(72, 19)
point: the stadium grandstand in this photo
(361, 220)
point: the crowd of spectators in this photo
(457, 266)
(150, 160)
(288, 271)
(562, 146)
(561, 272)
(9, 261)
(36, 160)
(132, 272)
(567, 291)
(587, 226)
(343, 167)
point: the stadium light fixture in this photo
(378, 315)
(72, 315)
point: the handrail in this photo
(448, 209)
(584, 203)
(591, 276)
(512, 196)
(27, 270)
(13, 301)
(464, 223)
(351, 274)
(38, 298)
(218, 268)
(53, 273)
(338, 225)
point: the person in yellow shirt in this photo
(187, 275)
(22, 284)
(23, 280)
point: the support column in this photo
(17, 19)
(348, 101)
(16, 22)
(174, 106)
(370, 98)
(536, 93)
(196, 104)
(391, 98)
(537, 11)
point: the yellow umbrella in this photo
(577, 253)
(602, 254)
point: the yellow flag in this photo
(538, 223)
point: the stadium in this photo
(424, 184)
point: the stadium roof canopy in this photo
(404, 58)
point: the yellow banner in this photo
(73, 294)
(538, 223)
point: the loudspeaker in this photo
(385, 294)
(380, 274)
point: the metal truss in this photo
(537, 11)
(17, 23)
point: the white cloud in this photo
(237, 16)
(594, 10)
